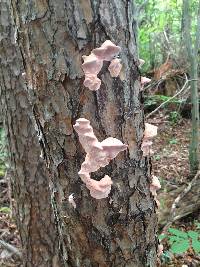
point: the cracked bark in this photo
(52, 36)
(30, 186)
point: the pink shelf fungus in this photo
(149, 133)
(160, 250)
(143, 81)
(98, 154)
(93, 63)
(154, 186)
(115, 67)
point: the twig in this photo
(174, 218)
(10, 248)
(154, 83)
(168, 100)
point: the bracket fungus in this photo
(145, 80)
(154, 186)
(149, 133)
(115, 67)
(93, 63)
(160, 250)
(98, 154)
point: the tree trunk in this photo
(53, 35)
(192, 51)
(30, 186)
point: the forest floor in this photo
(170, 164)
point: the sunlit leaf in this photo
(5, 210)
(180, 247)
(196, 245)
(193, 234)
(177, 232)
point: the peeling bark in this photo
(52, 36)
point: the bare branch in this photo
(10, 248)
(174, 218)
(168, 100)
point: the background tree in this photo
(171, 28)
(192, 51)
(52, 36)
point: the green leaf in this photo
(193, 234)
(5, 210)
(173, 141)
(173, 239)
(196, 245)
(180, 247)
(2, 172)
(177, 233)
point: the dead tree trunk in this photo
(30, 186)
(52, 36)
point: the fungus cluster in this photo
(155, 185)
(98, 154)
(149, 133)
(143, 80)
(94, 62)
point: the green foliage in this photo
(157, 157)
(174, 117)
(6, 210)
(159, 99)
(177, 233)
(173, 141)
(180, 246)
(158, 17)
(181, 241)
(166, 257)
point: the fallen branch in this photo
(174, 218)
(168, 100)
(11, 248)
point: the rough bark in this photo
(30, 186)
(53, 35)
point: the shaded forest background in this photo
(167, 103)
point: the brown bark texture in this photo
(30, 186)
(52, 37)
